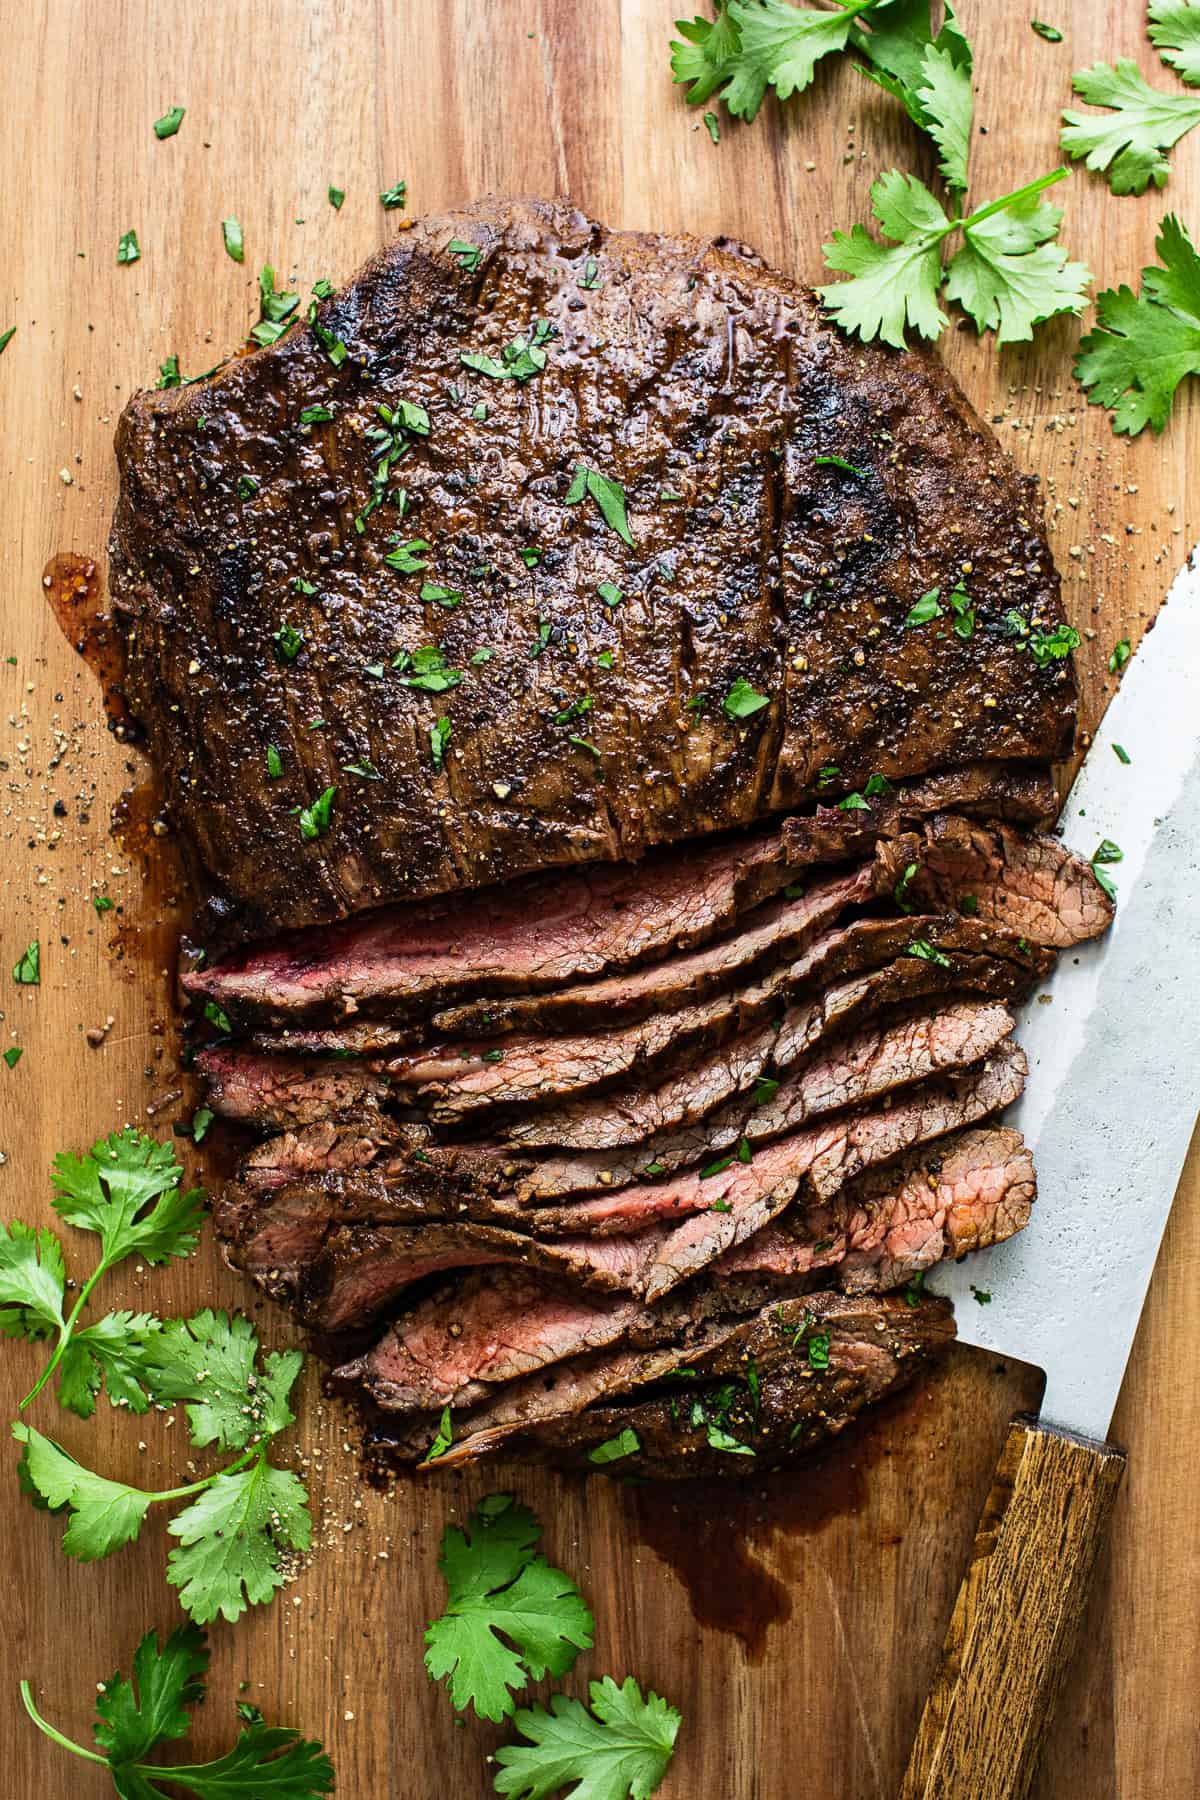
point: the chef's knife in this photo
(1114, 1087)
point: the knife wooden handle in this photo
(1017, 1617)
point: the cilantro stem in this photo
(256, 1451)
(66, 1331)
(64, 1743)
(1007, 200)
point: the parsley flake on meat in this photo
(608, 494)
(742, 701)
(315, 819)
(510, 1617)
(135, 1714)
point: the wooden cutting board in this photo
(795, 1622)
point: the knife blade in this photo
(1113, 1044)
(1114, 1086)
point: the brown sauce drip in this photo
(708, 1531)
(72, 586)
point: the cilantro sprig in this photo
(128, 1189)
(137, 1713)
(1145, 345)
(510, 1617)
(242, 1521)
(1128, 143)
(621, 1747)
(1008, 275)
(1174, 30)
(753, 45)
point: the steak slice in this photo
(689, 367)
(777, 930)
(969, 1191)
(987, 790)
(403, 961)
(864, 1066)
(454, 1347)
(950, 956)
(331, 1146)
(730, 1207)
(282, 1091)
(1025, 881)
(818, 1360)
(362, 1271)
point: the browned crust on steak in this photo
(720, 381)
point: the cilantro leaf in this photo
(609, 496)
(756, 44)
(114, 1352)
(170, 1678)
(892, 285)
(1144, 346)
(104, 1514)
(497, 1585)
(1007, 275)
(32, 1281)
(1127, 143)
(132, 1719)
(1010, 273)
(233, 1538)
(110, 1189)
(208, 1362)
(1174, 30)
(930, 76)
(620, 1750)
(743, 701)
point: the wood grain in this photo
(1015, 1624)
(828, 1592)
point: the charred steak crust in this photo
(708, 386)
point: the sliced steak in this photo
(363, 1271)
(689, 367)
(494, 1326)
(272, 1221)
(989, 790)
(773, 932)
(818, 1360)
(943, 957)
(968, 1191)
(861, 1067)
(403, 961)
(280, 1092)
(1025, 881)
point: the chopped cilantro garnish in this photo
(231, 233)
(170, 122)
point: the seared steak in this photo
(771, 933)
(968, 1191)
(818, 1360)
(1024, 881)
(745, 559)
(582, 1061)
